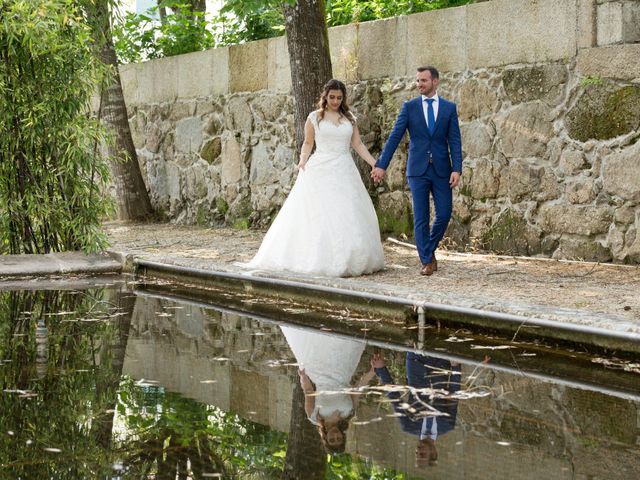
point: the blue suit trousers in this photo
(427, 239)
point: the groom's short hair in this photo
(432, 70)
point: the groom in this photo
(434, 165)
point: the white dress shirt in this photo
(425, 105)
(431, 433)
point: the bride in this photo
(327, 225)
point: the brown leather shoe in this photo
(427, 269)
(434, 261)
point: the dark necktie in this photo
(431, 117)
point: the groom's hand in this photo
(377, 174)
(454, 179)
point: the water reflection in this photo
(104, 384)
(429, 407)
(326, 364)
(62, 355)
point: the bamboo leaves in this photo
(52, 178)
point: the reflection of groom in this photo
(434, 164)
(424, 372)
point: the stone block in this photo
(581, 191)
(539, 82)
(130, 76)
(477, 100)
(545, 31)
(382, 48)
(575, 219)
(603, 111)
(580, 248)
(188, 136)
(278, 68)
(484, 181)
(343, 44)
(587, 35)
(437, 38)
(621, 173)
(510, 234)
(618, 22)
(248, 66)
(571, 161)
(232, 164)
(220, 74)
(521, 179)
(195, 74)
(238, 114)
(164, 81)
(525, 130)
(476, 139)
(616, 61)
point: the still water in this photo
(115, 383)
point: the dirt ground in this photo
(580, 292)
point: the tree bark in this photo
(306, 459)
(112, 354)
(309, 57)
(133, 199)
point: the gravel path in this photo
(603, 295)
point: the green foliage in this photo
(141, 37)
(348, 467)
(342, 12)
(50, 388)
(590, 80)
(243, 21)
(165, 430)
(51, 176)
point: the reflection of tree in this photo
(170, 437)
(50, 342)
(112, 358)
(306, 458)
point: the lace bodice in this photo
(331, 137)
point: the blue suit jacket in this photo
(425, 372)
(444, 148)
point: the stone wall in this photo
(548, 95)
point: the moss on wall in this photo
(509, 234)
(604, 111)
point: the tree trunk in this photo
(309, 58)
(306, 459)
(133, 199)
(112, 354)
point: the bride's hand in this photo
(301, 166)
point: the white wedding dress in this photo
(330, 362)
(327, 225)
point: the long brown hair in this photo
(343, 425)
(343, 110)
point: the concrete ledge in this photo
(503, 32)
(616, 61)
(279, 75)
(510, 326)
(57, 263)
(248, 69)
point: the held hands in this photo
(377, 174)
(377, 361)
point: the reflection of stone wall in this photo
(544, 430)
(548, 99)
(213, 357)
(551, 431)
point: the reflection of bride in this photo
(326, 366)
(327, 225)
